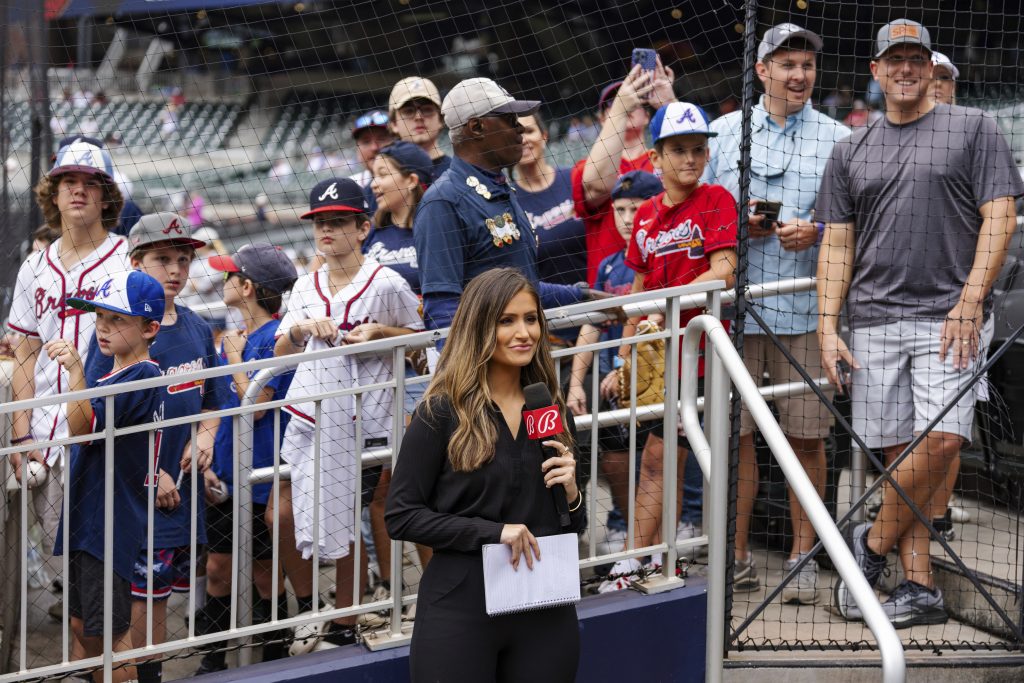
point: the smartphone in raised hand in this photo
(646, 58)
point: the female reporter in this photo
(467, 475)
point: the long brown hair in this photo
(382, 217)
(46, 190)
(461, 375)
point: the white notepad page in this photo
(554, 580)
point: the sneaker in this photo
(339, 634)
(872, 568)
(306, 638)
(211, 663)
(56, 611)
(958, 514)
(911, 604)
(409, 614)
(744, 576)
(684, 532)
(380, 618)
(614, 541)
(623, 572)
(802, 588)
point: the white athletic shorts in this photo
(902, 385)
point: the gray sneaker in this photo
(911, 604)
(744, 576)
(856, 535)
(802, 588)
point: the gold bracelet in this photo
(579, 502)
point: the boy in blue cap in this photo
(128, 308)
(255, 279)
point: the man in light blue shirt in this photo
(791, 143)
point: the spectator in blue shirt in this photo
(470, 220)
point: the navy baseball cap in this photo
(680, 118)
(336, 194)
(371, 119)
(266, 265)
(411, 159)
(636, 185)
(129, 292)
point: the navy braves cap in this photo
(411, 159)
(371, 119)
(266, 265)
(636, 185)
(129, 292)
(82, 155)
(163, 227)
(608, 94)
(336, 194)
(680, 118)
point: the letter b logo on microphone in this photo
(543, 422)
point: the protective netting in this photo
(231, 113)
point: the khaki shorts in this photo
(802, 416)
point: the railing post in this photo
(243, 517)
(716, 422)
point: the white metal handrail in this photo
(727, 360)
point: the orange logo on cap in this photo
(904, 31)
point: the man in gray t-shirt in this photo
(919, 208)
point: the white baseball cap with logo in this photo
(680, 118)
(478, 97)
(83, 155)
(413, 88)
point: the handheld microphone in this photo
(543, 420)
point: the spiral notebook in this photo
(553, 581)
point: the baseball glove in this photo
(650, 369)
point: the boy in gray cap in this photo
(919, 210)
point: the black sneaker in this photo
(911, 604)
(872, 568)
(339, 634)
(211, 663)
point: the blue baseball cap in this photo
(130, 292)
(410, 159)
(680, 118)
(636, 185)
(371, 119)
(336, 194)
(83, 155)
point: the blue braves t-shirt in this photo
(614, 277)
(185, 346)
(258, 345)
(561, 235)
(393, 247)
(131, 468)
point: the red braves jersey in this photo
(603, 238)
(671, 244)
(38, 310)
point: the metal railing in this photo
(673, 301)
(712, 453)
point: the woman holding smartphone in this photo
(467, 475)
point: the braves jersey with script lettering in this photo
(132, 456)
(185, 346)
(376, 294)
(38, 310)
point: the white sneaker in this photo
(684, 532)
(614, 541)
(625, 567)
(376, 619)
(307, 638)
(958, 514)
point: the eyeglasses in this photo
(763, 169)
(900, 60)
(410, 110)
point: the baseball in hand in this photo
(36, 472)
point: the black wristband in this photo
(21, 439)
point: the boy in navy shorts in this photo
(128, 307)
(255, 279)
(162, 246)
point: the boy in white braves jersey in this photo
(349, 300)
(78, 196)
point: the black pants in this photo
(455, 641)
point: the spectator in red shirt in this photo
(684, 235)
(619, 149)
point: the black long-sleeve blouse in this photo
(431, 504)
